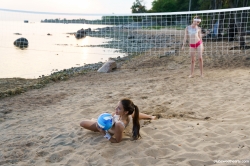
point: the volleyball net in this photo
(224, 32)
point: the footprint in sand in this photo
(58, 156)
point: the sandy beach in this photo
(199, 120)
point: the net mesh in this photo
(224, 32)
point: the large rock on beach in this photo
(21, 42)
(108, 67)
(82, 33)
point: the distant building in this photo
(26, 21)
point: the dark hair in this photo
(196, 17)
(129, 106)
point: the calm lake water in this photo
(47, 52)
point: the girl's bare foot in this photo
(190, 76)
(153, 117)
(202, 75)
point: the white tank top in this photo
(192, 31)
(115, 119)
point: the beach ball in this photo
(105, 121)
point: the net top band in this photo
(137, 14)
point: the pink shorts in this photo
(195, 45)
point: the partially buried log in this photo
(108, 67)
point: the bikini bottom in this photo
(196, 45)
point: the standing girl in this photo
(195, 41)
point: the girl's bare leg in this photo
(200, 50)
(89, 124)
(192, 52)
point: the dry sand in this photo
(200, 119)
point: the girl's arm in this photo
(118, 133)
(185, 38)
(144, 116)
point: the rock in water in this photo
(82, 33)
(108, 67)
(21, 42)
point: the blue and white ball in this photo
(105, 121)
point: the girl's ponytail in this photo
(136, 124)
(129, 106)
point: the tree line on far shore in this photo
(158, 6)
